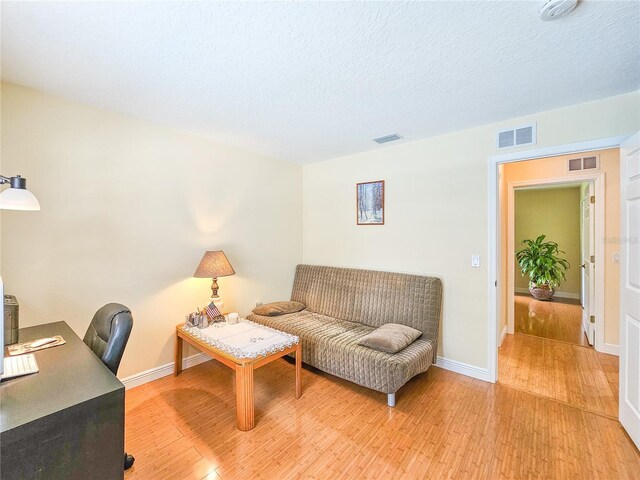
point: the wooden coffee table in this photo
(243, 366)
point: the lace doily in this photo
(245, 339)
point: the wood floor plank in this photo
(567, 373)
(445, 425)
(550, 358)
(556, 319)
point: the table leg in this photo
(177, 368)
(244, 397)
(299, 369)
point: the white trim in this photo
(165, 370)
(503, 334)
(494, 264)
(493, 237)
(585, 325)
(155, 373)
(611, 349)
(598, 180)
(463, 368)
(573, 296)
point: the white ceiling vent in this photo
(387, 138)
(515, 137)
(580, 164)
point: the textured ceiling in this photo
(309, 81)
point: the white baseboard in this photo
(463, 368)
(502, 335)
(611, 349)
(559, 294)
(585, 324)
(152, 374)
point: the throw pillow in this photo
(390, 337)
(279, 308)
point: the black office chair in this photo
(107, 337)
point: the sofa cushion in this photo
(279, 308)
(331, 345)
(390, 337)
(370, 297)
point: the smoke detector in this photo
(554, 9)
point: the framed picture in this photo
(370, 203)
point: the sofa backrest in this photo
(370, 297)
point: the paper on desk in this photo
(20, 348)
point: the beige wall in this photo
(554, 212)
(555, 167)
(436, 209)
(128, 209)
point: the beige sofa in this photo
(344, 305)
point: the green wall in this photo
(554, 212)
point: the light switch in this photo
(475, 261)
(615, 258)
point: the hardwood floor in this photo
(445, 425)
(558, 370)
(556, 320)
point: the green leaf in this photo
(540, 260)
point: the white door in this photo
(587, 250)
(630, 287)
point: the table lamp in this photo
(214, 264)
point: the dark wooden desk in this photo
(66, 421)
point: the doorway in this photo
(589, 224)
(497, 217)
(545, 347)
(563, 214)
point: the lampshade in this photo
(18, 199)
(214, 264)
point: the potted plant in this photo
(540, 260)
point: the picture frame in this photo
(370, 203)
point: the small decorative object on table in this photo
(205, 317)
(232, 318)
(197, 319)
(203, 321)
(213, 313)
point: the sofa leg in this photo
(391, 399)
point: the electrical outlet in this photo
(475, 261)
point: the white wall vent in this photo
(579, 164)
(515, 137)
(387, 138)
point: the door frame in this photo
(493, 254)
(587, 279)
(598, 181)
